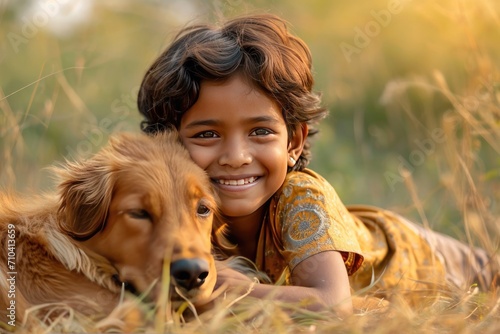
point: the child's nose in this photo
(236, 153)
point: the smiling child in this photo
(241, 97)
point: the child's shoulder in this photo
(305, 177)
(305, 180)
(306, 184)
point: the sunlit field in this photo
(413, 89)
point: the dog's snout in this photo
(189, 273)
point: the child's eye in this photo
(206, 134)
(261, 132)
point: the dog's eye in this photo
(203, 210)
(139, 214)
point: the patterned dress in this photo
(382, 251)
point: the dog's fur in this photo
(117, 218)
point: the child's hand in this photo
(229, 278)
(320, 282)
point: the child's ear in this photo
(296, 143)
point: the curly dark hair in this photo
(259, 46)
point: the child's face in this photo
(238, 135)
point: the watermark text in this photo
(11, 274)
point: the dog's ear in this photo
(85, 194)
(220, 243)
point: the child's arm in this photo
(320, 280)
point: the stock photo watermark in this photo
(59, 16)
(364, 35)
(34, 21)
(96, 134)
(219, 6)
(486, 92)
(416, 158)
(11, 275)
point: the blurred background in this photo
(413, 89)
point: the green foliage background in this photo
(378, 64)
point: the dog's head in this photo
(147, 208)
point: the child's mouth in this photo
(236, 182)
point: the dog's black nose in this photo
(189, 273)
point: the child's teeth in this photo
(239, 182)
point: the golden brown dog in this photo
(117, 218)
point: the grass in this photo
(62, 97)
(452, 312)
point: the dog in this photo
(138, 208)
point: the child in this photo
(241, 97)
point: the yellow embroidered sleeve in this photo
(313, 220)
